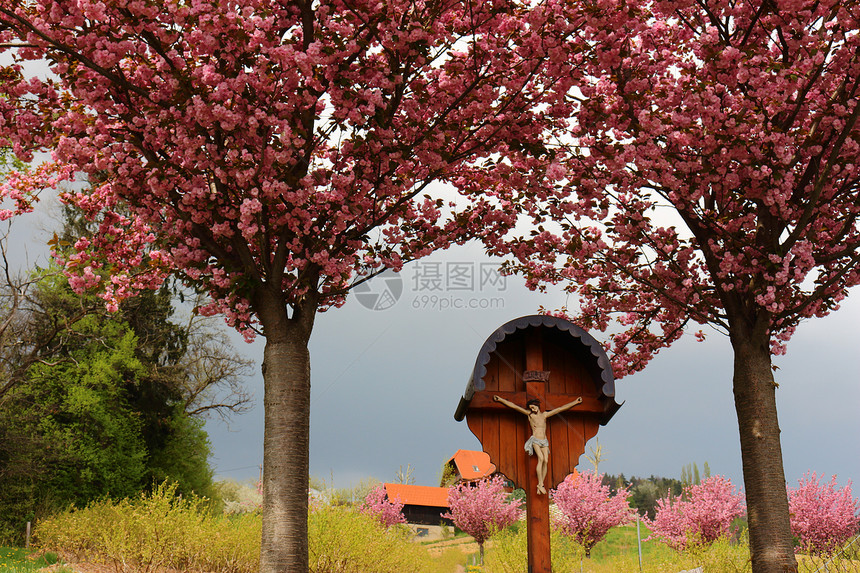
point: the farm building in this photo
(467, 465)
(422, 504)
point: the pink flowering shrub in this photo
(482, 509)
(703, 514)
(385, 511)
(589, 510)
(823, 517)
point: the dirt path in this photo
(464, 544)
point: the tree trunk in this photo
(286, 376)
(771, 544)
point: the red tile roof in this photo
(417, 494)
(473, 465)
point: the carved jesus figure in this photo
(538, 444)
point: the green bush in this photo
(343, 540)
(154, 530)
(163, 529)
(508, 552)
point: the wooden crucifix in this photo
(566, 375)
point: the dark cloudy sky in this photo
(386, 382)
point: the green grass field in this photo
(622, 541)
(18, 560)
(618, 553)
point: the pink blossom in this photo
(823, 517)
(387, 512)
(685, 121)
(482, 509)
(589, 510)
(702, 514)
(301, 153)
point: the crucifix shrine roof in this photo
(590, 351)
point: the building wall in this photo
(426, 515)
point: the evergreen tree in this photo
(644, 492)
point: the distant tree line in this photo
(644, 492)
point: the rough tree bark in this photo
(761, 452)
(287, 380)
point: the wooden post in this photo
(27, 538)
(537, 506)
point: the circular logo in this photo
(381, 292)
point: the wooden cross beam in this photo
(549, 401)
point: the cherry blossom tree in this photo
(589, 509)
(823, 516)
(274, 154)
(702, 514)
(713, 180)
(482, 509)
(387, 512)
